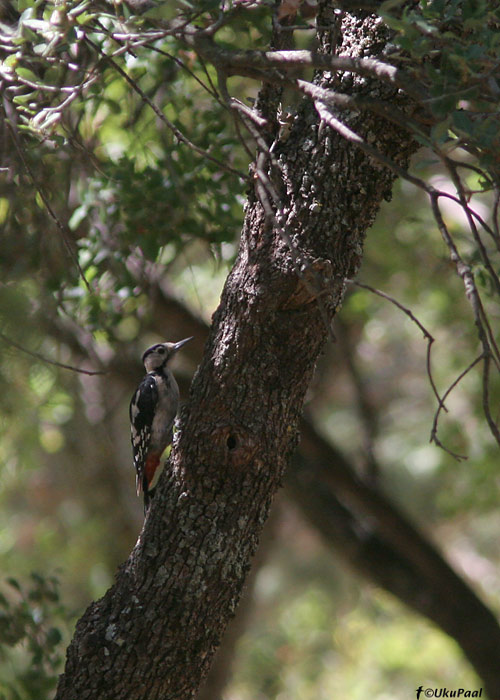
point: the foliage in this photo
(68, 66)
(451, 50)
(303, 649)
(137, 191)
(30, 616)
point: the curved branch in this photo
(379, 541)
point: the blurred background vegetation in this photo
(154, 227)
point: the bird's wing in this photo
(142, 412)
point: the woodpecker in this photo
(152, 413)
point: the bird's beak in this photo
(179, 345)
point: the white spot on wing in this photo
(134, 408)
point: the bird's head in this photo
(158, 355)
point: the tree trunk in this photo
(154, 632)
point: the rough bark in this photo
(222, 666)
(154, 633)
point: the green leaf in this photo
(462, 121)
(28, 74)
(54, 636)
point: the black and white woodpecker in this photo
(152, 413)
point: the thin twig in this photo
(346, 102)
(486, 399)
(472, 224)
(465, 273)
(495, 235)
(434, 437)
(210, 89)
(495, 216)
(350, 135)
(209, 77)
(177, 133)
(485, 333)
(48, 206)
(415, 320)
(42, 358)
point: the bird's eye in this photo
(161, 351)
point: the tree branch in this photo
(379, 541)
